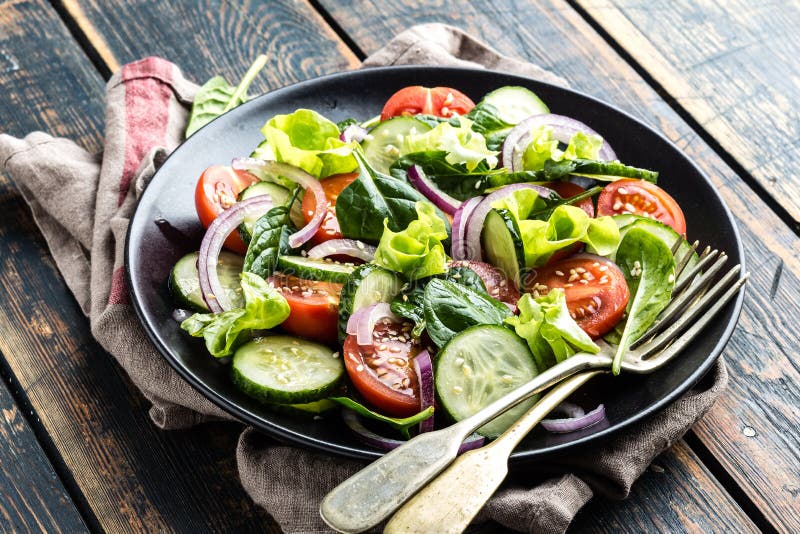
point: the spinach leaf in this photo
(270, 240)
(449, 308)
(363, 205)
(433, 121)
(401, 425)
(486, 122)
(345, 123)
(649, 268)
(216, 97)
(452, 178)
(608, 171)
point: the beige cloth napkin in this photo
(146, 112)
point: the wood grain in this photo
(732, 66)
(34, 500)
(764, 370)
(133, 476)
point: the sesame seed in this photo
(382, 346)
(406, 382)
(596, 264)
(603, 268)
(584, 282)
(569, 285)
(580, 270)
(335, 355)
(457, 390)
(381, 371)
(359, 368)
(622, 191)
(573, 277)
(395, 349)
(559, 273)
(617, 205)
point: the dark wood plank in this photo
(132, 475)
(668, 494)
(761, 353)
(732, 66)
(34, 499)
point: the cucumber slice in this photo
(515, 104)
(369, 284)
(286, 370)
(313, 269)
(279, 196)
(382, 147)
(503, 244)
(477, 367)
(184, 282)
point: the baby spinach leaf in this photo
(216, 97)
(270, 240)
(449, 308)
(452, 178)
(649, 268)
(607, 171)
(345, 123)
(363, 205)
(486, 122)
(401, 425)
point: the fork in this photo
(372, 494)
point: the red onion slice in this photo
(460, 221)
(423, 366)
(304, 180)
(476, 220)
(564, 128)
(424, 185)
(362, 322)
(577, 422)
(354, 132)
(226, 222)
(345, 247)
(354, 423)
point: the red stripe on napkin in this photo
(147, 96)
(119, 289)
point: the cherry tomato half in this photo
(641, 198)
(415, 100)
(384, 373)
(497, 284)
(595, 289)
(566, 190)
(217, 190)
(314, 307)
(333, 185)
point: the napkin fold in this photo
(83, 202)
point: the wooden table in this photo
(79, 452)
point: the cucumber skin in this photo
(350, 289)
(180, 299)
(519, 245)
(312, 273)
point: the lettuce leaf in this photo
(308, 140)
(223, 332)
(563, 226)
(551, 333)
(417, 251)
(462, 144)
(544, 147)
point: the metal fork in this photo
(372, 494)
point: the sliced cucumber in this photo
(279, 196)
(313, 269)
(286, 370)
(503, 244)
(477, 367)
(664, 232)
(184, 282)
(382, 147)
(514, 103)
(369, 284)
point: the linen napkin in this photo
(147, 106)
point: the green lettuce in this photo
(544, 147)
(308, 140)
(417, 251)
(462, 144)
(223, 332)
(551, 333)
(561, 227)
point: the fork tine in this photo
(668, 335)
(705, 258)
(680, 343)
(684, 261)
(683, 301)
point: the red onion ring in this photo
(346, 247)
(226, 222)
(354, 132)
(460, 220)
(304, 180)
(353, 422)
(564, 128)
(579, 421)
(423, 366)
(424, 185)
(476, 220)
(362, 322)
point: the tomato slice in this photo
(384, 373)
(641, 197)
(314, 307)
(595, 289)
(217, 190)
(497, 284)
(566, 190)
(333, 186)
(415, 100)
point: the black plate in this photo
(165, 227)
